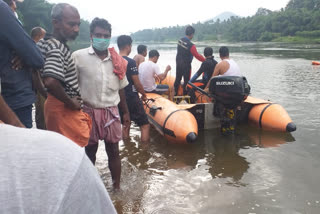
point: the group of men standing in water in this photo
(89, 93)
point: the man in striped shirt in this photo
(62, 108)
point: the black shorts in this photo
(136, 110)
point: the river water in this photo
(253, 171)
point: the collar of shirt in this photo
(92, 52)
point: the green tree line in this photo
(298, 21)
(37, 13)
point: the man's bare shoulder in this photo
(223, 66)
(138, 57)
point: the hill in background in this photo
(222, 17)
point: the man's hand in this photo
(74, 103)
(168, 68)
(144, 97)
(17, 63)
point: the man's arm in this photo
(198, 73)
(124, 108)
(137, 84)
(38, 83)
(55, 88)
(216, 72)
(163, 75)
(18, 39)
(7, 115)
(195, 53)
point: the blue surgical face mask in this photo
(100, 44)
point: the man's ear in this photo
(56, 23)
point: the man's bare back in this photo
(139, 59)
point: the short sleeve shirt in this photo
(147, 72)
(131, 70)
(99, 85)
(59, 65)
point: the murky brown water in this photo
(252, 172)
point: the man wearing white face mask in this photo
(102, 79)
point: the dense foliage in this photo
(300, 19)
(35, 13)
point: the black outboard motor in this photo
(228, 93)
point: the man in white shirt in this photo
(149, 71)
(102, 79)
(45, 172)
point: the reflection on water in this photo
(253, 171)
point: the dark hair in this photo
(208, 51)
(141, 49)
(153, 53)
(190, 30)
(224, 51)
(123, 41)
(36, 31)
(102, 23)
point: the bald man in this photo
(63, 107)
(37, 33)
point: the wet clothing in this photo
(185, 52)
(136, 110)
(135, 106)
(73, 124)
(44, 172)
(206, 68)
(233, 70)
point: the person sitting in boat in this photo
(227, 67)
(149, 71)
(142, 53)
(206, 68)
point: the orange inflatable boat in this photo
(175, 123)
(315, 63)
(263, 114)
(269, 116)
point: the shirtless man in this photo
(142, 53)
(227, 67)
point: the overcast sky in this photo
(128, 16)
